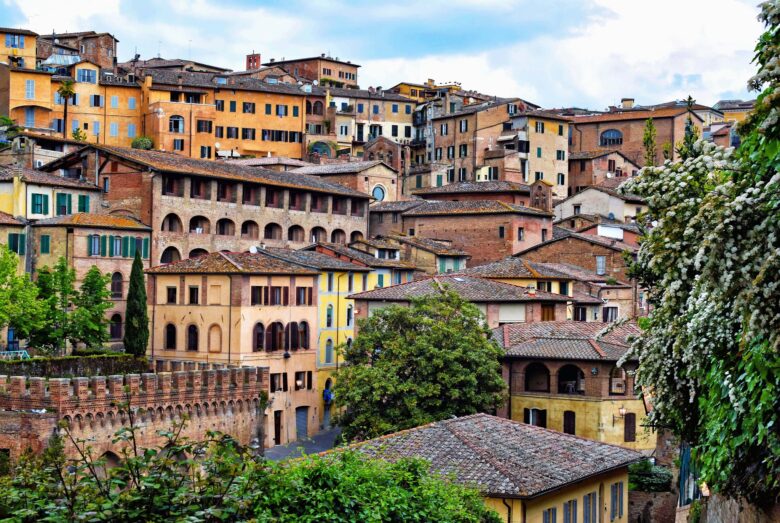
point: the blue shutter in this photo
(21, 41)
(8, 40)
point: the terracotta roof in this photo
(575, 272)
(312, 259)
(269, 160)
(631, 227)
(60, 139)
(78, 34)
(363, 94)
(501, 457)
(513, 267)
(470, 288)
(33, 176)
(183, 80)
(7, 219)
(606, 189)
(339, 168)
(231, 263)
(364, 257)
(429, 245)
(101, 221)
(433, 208)
(589, 155)
(174, 163)
(550, 115)
(566, 340)
(734, 105)
(14, 31)
(477, 187)
(294, 60)
(397, 206)
(595, 218)
(667, 112)
(476, 108)
(156, 62)
(609, 243)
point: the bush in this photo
(142, 142)
(103, 364)
(646, 477)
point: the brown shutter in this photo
(308, 380)
(526, 415)
(265, 296)
(285, 295)
(543, 419)
(310, 299)
(630, 427)
(284, 382)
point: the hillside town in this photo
(251, 232)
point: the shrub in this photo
(142, 142)
(104, 364)
(646, 477)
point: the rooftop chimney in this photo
(626, 103)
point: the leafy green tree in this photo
(414, 365)
(685, 148)
(712, 266)
(136, 317)
(142, 142)
(217, 480)
(56, 293)
(66, 90)
(9, 127)
(649, 142)
(18, 304)
(79, 135)
(89, 322)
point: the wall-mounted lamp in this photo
(622, 412)
(594, 371)
(299, 383)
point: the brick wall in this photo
(581, 253)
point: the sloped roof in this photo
(470, 288)
(503, 458)
(7, 219)
(296, 60)
(175, 163)
(429, 245)
(312, 259)
(615, 116)
(513, 267)
(479, 107)
(34, 176)
(364, 257)
(566, 340)
(231, 263)
(609, 243)
(14, 31)
(98, 221)
(397, 206)
(477, 187)
(339, 168)
(433, 208)
(269, 160)
(178, 80)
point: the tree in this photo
(56, 294)
(66, 90)
(79, 135)
(414, 365)
(685, 148)
(218, 480)
(90, 325)
(649, 142)
(708, 352)
(19, 307)
(142, 142)
(136, 317)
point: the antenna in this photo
(159, 45)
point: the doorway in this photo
(277, 427)
(301, 423)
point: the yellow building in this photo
(527, 474)
(564, 376)
(35, 195)
(735, 110)
(244, 309)
(18, 47)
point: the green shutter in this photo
(456, 264)
(131, 242)
(13, 241)
(60, 203)
(83, 203)
(111, 246)
(125, 247)
(380, 280)
(22, 244)
(68, 200)
(89, 245)
(146, 248)
(45, 244)
(45, 203)
(442, 265)
(102, 245)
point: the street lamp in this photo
(622, 414)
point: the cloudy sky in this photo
(556, 53)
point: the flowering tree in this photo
(709, 350)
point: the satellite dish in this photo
(253, 249)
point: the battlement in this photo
(71, 396)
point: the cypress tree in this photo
(136, 319)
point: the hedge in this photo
(75, 366)
(646, 477)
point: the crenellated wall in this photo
(228, 400)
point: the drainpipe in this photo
(154, 313)
(230, 319)
(338, 316)
(508, 510)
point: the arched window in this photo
(338, 236)
(617, 381)
(303, 333)
(274, 337)
(537, 378)
(170, 337)
(215, 338)
(115, 328)
(378, 193)
(296, 234)
(308, 107)
(571, 380)
(250, 230)
(200, 225)
(329, 351)
(317, 108)
(355, 236)
(273, 231)
(611, 137)
(226, 227)
(172, 223)
(329, 316)
(318, 234)
(349, 316)
(192, 338)
(176, 124)
(194, 253)
(117, 285)
(258, 337)
(170, 255)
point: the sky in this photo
(555, 53)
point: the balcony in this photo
(346, 109)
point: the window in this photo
(29, 117)
(330, 282)
(462, 174)
(563, 288)
(131, 132)
(281, 110)
(561, 179)
(192, 338)
(611, 137)
(539, 127)
(205, 151)
(96, 100)
(343, 130)
(170, 337)
(536, 417)
(58, 125)
(463, 150)
(258, 337)
(45, 244)
(610, 314)
(560, 129)
(131, 102)
(443, 129)
(170, 295)
(83, 203)
(380, 279)
(247, 133)
(601, 265)
(464, 125)
(113, 129)
(63, 204)
(203, 126)
(193, 294)
(611, 165)
(248, 108)
(360, 108)
(178, 144)
(29, 89)
(93, 245)
(95, 127)
(544, 235)
(40, 203)
(116, 247)
(12, 40)
(520, 234)
(500, 231)
(549, 515)
(394, 130)
(86, 75)
(106, 184)
(329, 316)
(375, 109)
(616, 501)
(569, 420)
(303, 295)
(570, 511)
(580, 313)
(548, 312)
(232, 106)
(560, 155)
(295, 111)
(329, 351)
(176, 124)
(629, 429)
(538, 175)
(232, 132)
(349, 316)
(538, 152)
(17, 242)
(395, 108)
(577, 209)
(589, 508)
(114, 102)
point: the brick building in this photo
(98, 48)
(502, 191)
(429, 256)
(372, 177)
(602, 200)
(198, 206)
(590, 168)
(386, 217)
(500, 302)
(487, 230)
(326, 70)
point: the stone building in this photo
(13, 234)
(588, 168)
(373, 177)
(326, 70)
(272, 163)
(386, 217)
(198, 206)
(563, 376)
(500, 302)
(243, 309)
(100, 240)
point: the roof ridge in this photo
(598, 349)
(533, 271)
(231, 261)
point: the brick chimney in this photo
(626, 103)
